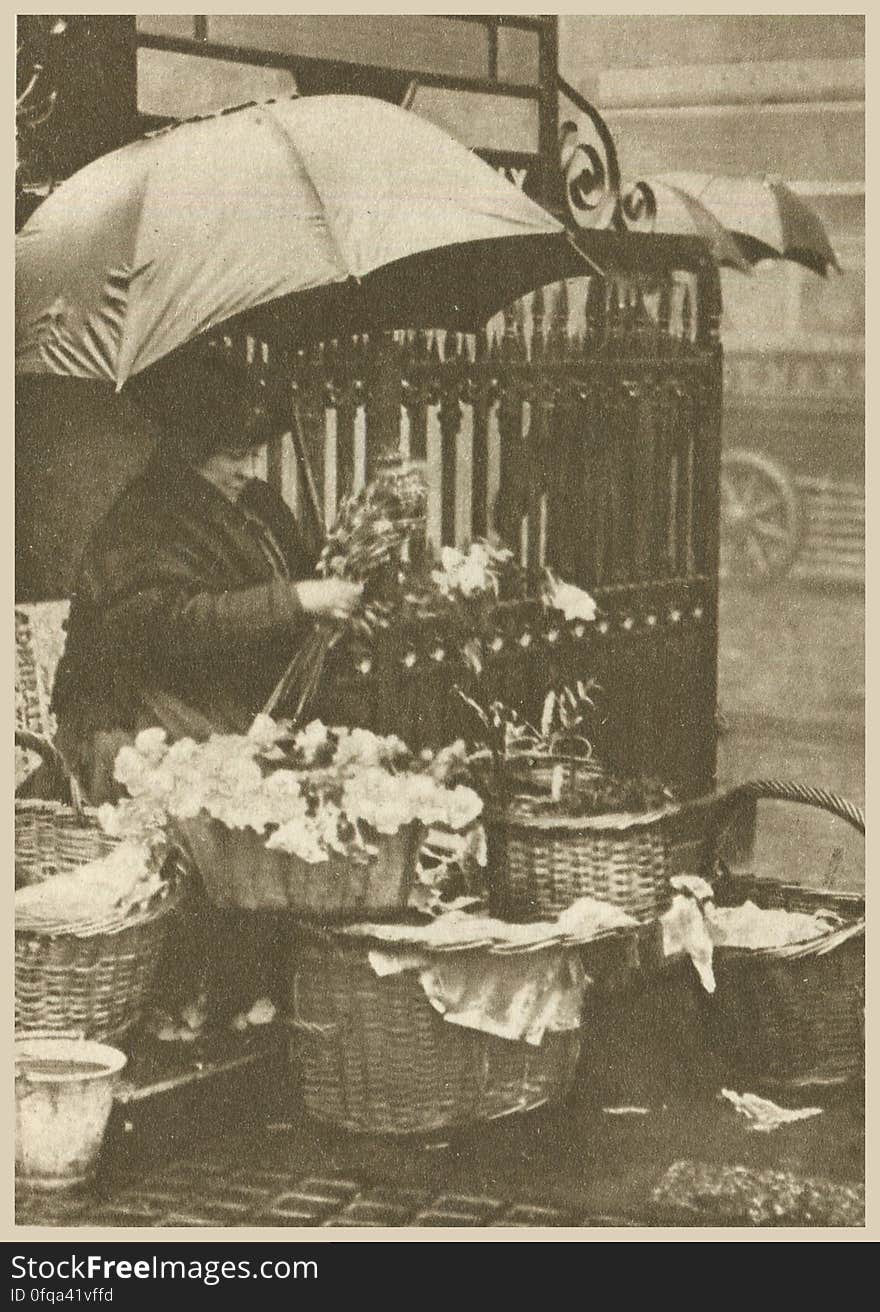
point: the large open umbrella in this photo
(311, 216)
(768, 220)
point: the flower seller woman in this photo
(195, 588)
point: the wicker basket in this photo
(792, 1016)
(533, 775)
(374, 1056)
(50, 837)
(97, 986)
(239, 871)
(94, 984)
(540, 864)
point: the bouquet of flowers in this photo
(378, 540)
(369, 544)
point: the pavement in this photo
(286, 1176)
(643, 1139)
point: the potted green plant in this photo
(559, 825)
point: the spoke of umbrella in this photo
(766, 530)
(734, 505)
(747, 491)
(763, 507)
(759, 556)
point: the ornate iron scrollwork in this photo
(638, 207)
(36, 98)
(592, 177)
(595, 194)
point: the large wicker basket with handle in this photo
(791, 1016)
(52, 837)
(374, 1056)
(88, 979)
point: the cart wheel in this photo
(760, 519)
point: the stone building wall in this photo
(751, 94)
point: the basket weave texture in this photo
(374, 1056)
(793, 1016)
(96, 984)
(51, 839)
(238, 870)
(39, 642)
(539, 865)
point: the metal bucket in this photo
(64, 1090)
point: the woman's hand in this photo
(331, 598)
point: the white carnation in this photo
(265, 733)
(574, 602)
(463, 806)
(300, 838)
(309, 741)
(152, 744)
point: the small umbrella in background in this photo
(662, 207)
(305, 218)
(768, 220)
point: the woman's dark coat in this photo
(181, 617)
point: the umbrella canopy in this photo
(676, 211)
(767, 218)
(311, 217)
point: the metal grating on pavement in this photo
(191, 1198)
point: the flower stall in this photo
(480, 809)
(441, 905)
(516, 838)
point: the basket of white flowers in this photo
(326, 823)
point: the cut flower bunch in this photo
(378, 540)
(317, 794)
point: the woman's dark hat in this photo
(205, 403)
